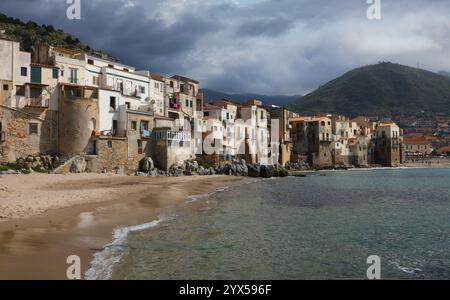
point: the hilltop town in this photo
(64, 110)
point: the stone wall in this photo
(19, 142)
(111, 155)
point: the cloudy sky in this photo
(259, 46)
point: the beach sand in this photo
(46, 218)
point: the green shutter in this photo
(55, 73)
(36, 76)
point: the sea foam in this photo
(102, 265)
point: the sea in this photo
(320, 225)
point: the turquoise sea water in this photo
(317, 227)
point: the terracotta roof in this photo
(416, 140)
(444, 149)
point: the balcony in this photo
(37, 102)
(74, 80)
(146, 134)
(2, 136)
(176, 106)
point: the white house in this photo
(119, 86)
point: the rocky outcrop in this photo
(146, 165)
(75, 164)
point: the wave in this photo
(407, 270)
(102, 265)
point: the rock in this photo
(78, 165)
(153, 173)
(212, 171)
(253, 171)
(266, 171)
(283, 172)
(56, 162)
(146, 165)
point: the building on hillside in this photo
(256, 145)
(389, 144)
(14, 72)
(319, 136)
(28, 123)
(280, 133)
(416, 147)
(157, 95)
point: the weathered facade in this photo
(389, 143)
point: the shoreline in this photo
(37, 245)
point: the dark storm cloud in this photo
(263, 46)
(265, 27)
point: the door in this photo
(36, 76)
(114, 130)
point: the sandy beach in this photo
(46, 218)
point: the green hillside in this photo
(384, 89)
(29, 33)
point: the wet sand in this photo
(61, 215)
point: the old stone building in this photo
(389, 144)
(280, 132)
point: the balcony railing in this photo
(37, 102)
(73, 80)
(184, 136)
(146, 134)
(175, 106)
(2, 136)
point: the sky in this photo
(271, 47)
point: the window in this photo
(110, 144)
(171, 84)
(191, 104)
(73, 75)
(128, 105)
(126, 70)
(90, 61)
(62, 73)
(187, 103)
(55, 73)
(20, 90)
(33, 128)
(5, 87)
(23, 71)
(95, 80)
(139, 142)
(111, 66)
(112, 103)
(141, 89)
(133, 125)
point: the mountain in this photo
(211, 95)
(444, 73)
(28, 34)
(384, 89)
